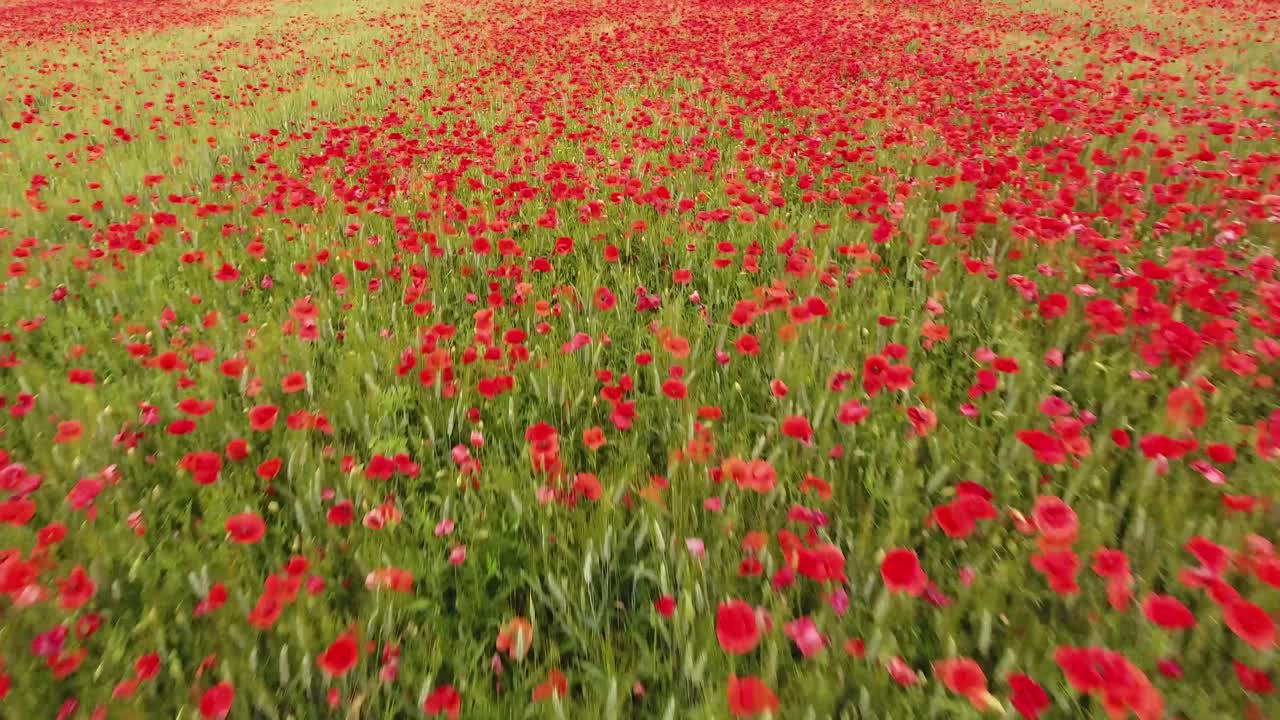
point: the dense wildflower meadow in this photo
(640, 359)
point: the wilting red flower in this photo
(340, 656)
(901, 572)
(246, 528)
(748, 697)
(1167, 612)
(444, 700)
(736, 627)
(217, 700)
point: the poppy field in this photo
(647, 359)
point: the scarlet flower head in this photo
(443, 700)
(737, 628)
(341, 655)
(901, 572)
(216, 702)
(963, 677)
(1167, 612)
(749, 697)
(246, 528)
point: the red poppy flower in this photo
(901, 572)
(1027, 697)
(756, 475)
(1251, 624)
(923, 420)
(196, 407)
(1048, 449)
(68, 432)
(216, 598)
(665, 605)
(748, 697)
(1252, 680)
(1111, 564)
(17, 511)
(444, 700)
(266, 611)
(1059, 569)
(963, 677)
(147, 666)
(593, 438)
(1056, 521)
(556, 685)
(516, 638)
(80, 376)
(1185, 409)
(588, 486)
(674, 389)
(263, 417)
(804, 633)
(1167, 612)
(217, 700)
(341, 514)
(798, 427)
(390, 578)
(268, 469)
(736, 627)
(901, 672)
(76, 590)
(293, 382)
(237, 449)
(246, 528)
(340, 656)
(226, 274)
